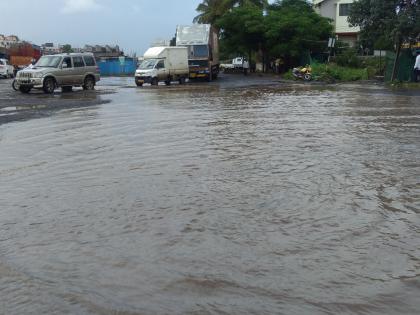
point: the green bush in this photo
(375, 65)
(349, 58)
(332, 73)
(288, 75)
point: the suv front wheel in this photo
(48, 86)
(25, 89)
(89, 84)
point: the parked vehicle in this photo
(226, 66)
(303, 73)
(15, 85)
(203, 50)
(6, 69)
(163, 64)
(22, 54)
(22, 61)
(64, 70)
(237, 65)
(238, 62)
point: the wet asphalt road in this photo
(243, 196)
(17, 106)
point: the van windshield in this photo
(48, 62)
(148, 64)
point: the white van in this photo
(6, 69)
(163, 64)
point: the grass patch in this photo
(333, 73)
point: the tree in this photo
(286, 29)
(67, 49)
(211, 10)
(242, 29)
(387, 21)
(293, 27)
(241, 3)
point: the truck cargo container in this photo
(163, 64)
(23, 54)
(20, 61)
(203, 49)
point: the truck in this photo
(21, 61)
(202, 41)
(24, 54)
(166, 63)
(238, 64)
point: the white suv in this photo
(6, 69)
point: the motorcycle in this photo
(303, 73)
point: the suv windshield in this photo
(148, 64)
(48, 62)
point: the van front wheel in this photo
(155, 81)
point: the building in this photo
(50, 49)
(8, 41)
(104, 51)
(338, 11)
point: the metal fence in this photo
(405, 65)
(117, 66)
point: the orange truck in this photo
(23, 54)
(20, 61)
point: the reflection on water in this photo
(211, 200)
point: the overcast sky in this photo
(132, 24)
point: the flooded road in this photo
(236, 197)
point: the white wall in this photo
(341, 23)
(330, 9)
(327, 9)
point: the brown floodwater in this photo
(245, 196)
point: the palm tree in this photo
(211, 10)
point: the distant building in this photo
(8, 41)
(338, 11)
(50, 49)
(104, 51)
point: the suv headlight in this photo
(38, 75)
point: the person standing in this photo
(245, 66)
(277, 65)
(417, 67)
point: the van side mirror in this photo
(64, 66)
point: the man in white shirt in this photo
(417, 67)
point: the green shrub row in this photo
(333, 72)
